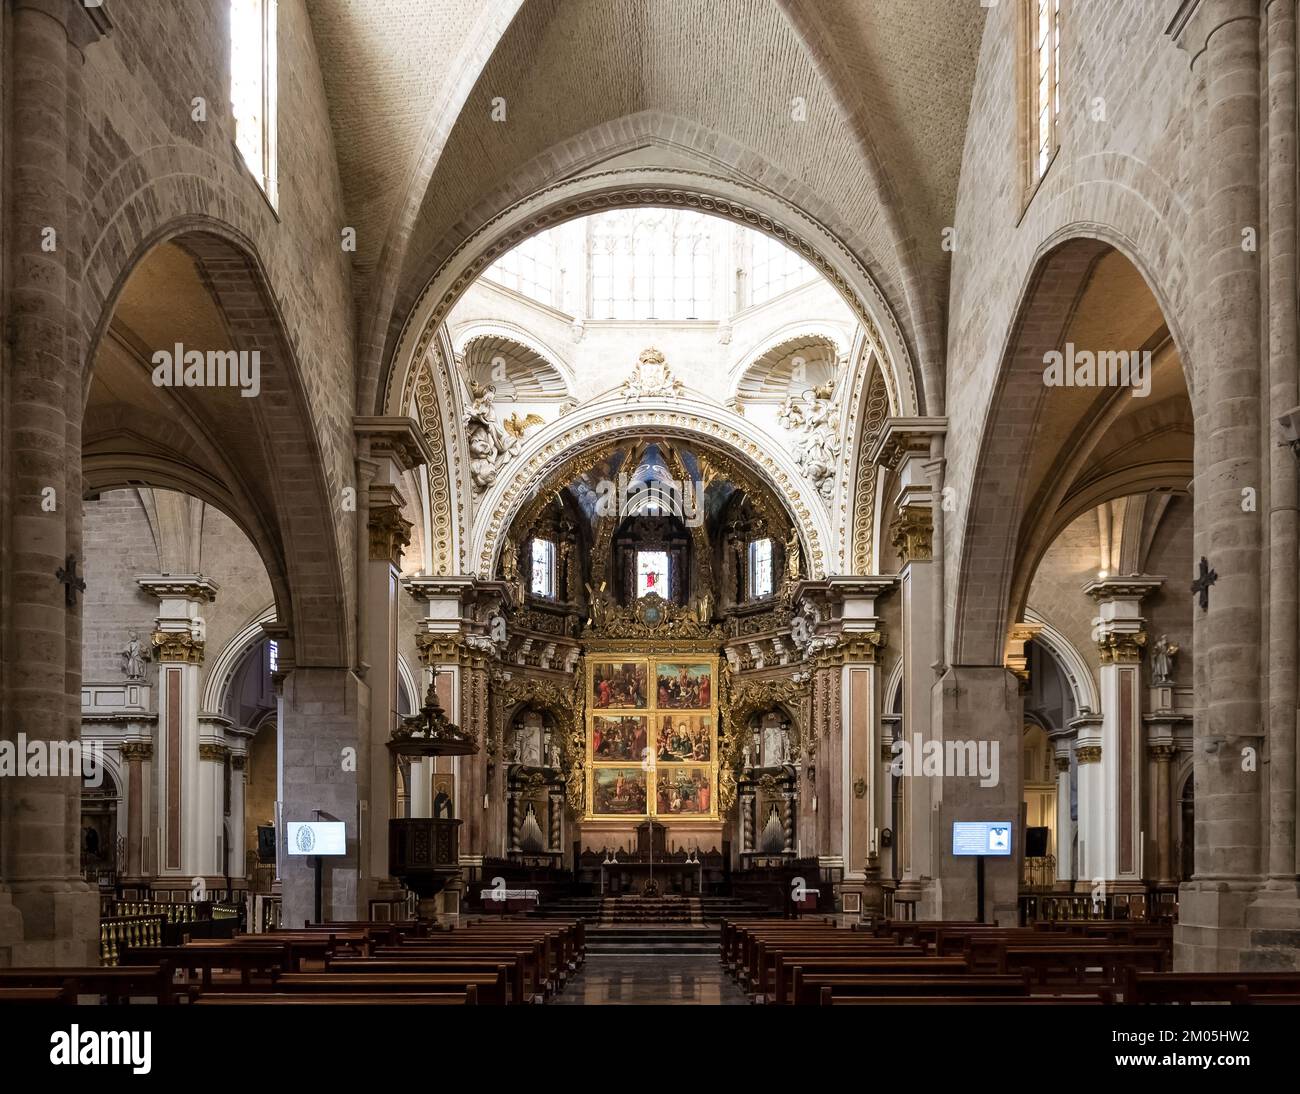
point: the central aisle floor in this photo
(626, 979)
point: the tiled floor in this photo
(622, 980)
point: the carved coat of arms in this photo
(651, 378)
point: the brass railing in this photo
(122, 932)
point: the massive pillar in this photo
(1223, 41)
(1277, 908)
(48, 914)
(851, 811)
(905, 446)
(386, 449)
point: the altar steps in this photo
(678, 910)
(660, 941)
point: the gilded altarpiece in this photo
(651, 716)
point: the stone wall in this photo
(1126, 179)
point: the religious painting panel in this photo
(685, 686)
(683, 790)
(619, 738)
(619, 685)
(684, 738)
(619, 792)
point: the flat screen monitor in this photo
(316, 838)
(992, 838)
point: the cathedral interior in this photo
(650, 476)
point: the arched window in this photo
(1041, 83)
(528, 269)
(652, 264)
(760, 568)
(253, 88)
(773, 269)
(543, 573)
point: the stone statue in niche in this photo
(490, 444)
(552, 753)
(814, 419)
(776, 744)
(134, 657)
(527, 747)
(1162, 661)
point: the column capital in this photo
(911, 532)
(1016, 657)
(390, 532)
(1121, 647)
(136, 751)
(1088, 754)
(1195, 21)
(182, 647)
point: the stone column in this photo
(324, 712)
(1092, 819)
(210, 816)
(904, 446)
(48, 914)
(854, 806)
(185, 849)
(387, 448)
(1064, 823)
(1117, 818)
(236, 856)
(979, 713)
(1222, 40)
(136, 754)
(1277, 908)
(1162, 754)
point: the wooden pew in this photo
(114, 984)
(248, 961)
(530, 957)
(1074, 962)
(771, 953)
(491, 988)
(860, 966)
(1144, 987)
(513, 969)
(828, 997)
(300, 999)
(807, 985)
(46, 996)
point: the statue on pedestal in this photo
(1162, 661)
(134, 657)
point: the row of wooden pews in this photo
(820, 963)
(482, 963)
(816, 962)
